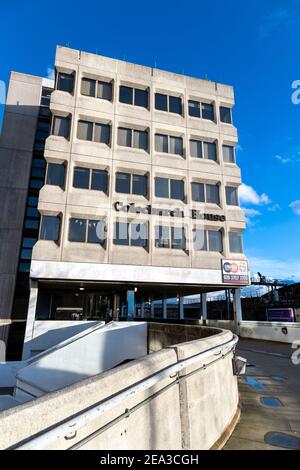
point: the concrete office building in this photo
(139, 201)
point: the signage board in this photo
(235, 272)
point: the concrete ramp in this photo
(83, 356)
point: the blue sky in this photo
(251, 45)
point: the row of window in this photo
(140, 97)
(130, 183)
(136, 234)
(139, 139)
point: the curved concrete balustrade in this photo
(183, 396)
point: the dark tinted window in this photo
(194, 109)
(96, 231)
(177, 189)
(81, 178)
(139, 235)
(139, 184)
(225, 115)
(215, 241)
(162, 236)
(126, 94)
(50, 228)
(235, 242)
(124, 137)
(28, 242)
(123, 183)
(176, 145)
(196, 148)
(102, 133)
(210, 150)
(104, 91)
(140, 139)
(77, 230)
(207, 111)
(198, 192)
(56, 174)
(175, 105)
(232, 196)
(99, 180)
(88, 87)
(212, 193)
(141, 98)
(228, 154)
(161, 187)
(61, 126)
(121, 233)
(161, 143)
(65, 82)
(178, 241)
(161, 102)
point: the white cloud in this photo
(272, 21)
(278, 269)
(248, 195)
(274, 208)
(295, 206)
(250, 212)
(282, 159)
(50, 73)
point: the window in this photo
(210, 151)
(235, 242)
(201, 110)
(132, 138)
(86, 231)
(168, 144)
(131, 184)
(225, 115)
(61, 126)
(65, 82)
(172, 104)
(232, 198)
(50, 227)
(199, 149)
(170, 237)
(87, 178)
(56, 174)
(93, 131)
(198, 192)
(212, 193)
(134, 96)
(208, 240)
(196, 148)
(228, 154)
(45, 98)
(132, 234)
(99, 180)
(96, 88)
(169, 188)
(28, 242)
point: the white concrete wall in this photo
(190, 415)
(270, 331)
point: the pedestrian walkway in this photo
(270, 398)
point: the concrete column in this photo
(30, 319)
(116, 307)
(237, 307)
(130, 305)
(181, 308)
(204, 307)
(164, 308)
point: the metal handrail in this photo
(71, 426)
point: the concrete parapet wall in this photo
(282, 332)
(155, 402)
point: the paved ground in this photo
(271, 374)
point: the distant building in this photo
(132, 197)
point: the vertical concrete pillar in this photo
(204, 307)
(237, 308)
(116, 307)
(181, 308)
(164, 308)
(30, 319)
(130, 305)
